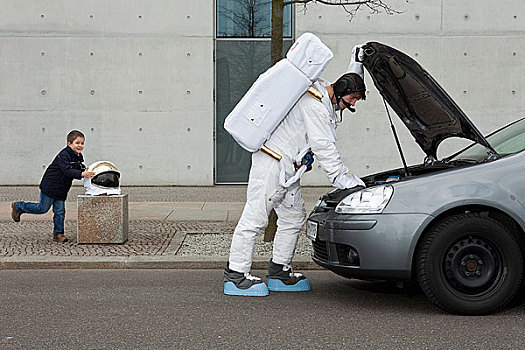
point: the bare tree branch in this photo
(350, 7)
(327, 2)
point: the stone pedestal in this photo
(102, 219)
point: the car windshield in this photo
(509, 140)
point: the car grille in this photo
(320, 250)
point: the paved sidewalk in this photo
(169, 227)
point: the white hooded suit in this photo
(309, 125)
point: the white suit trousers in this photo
(263, 195)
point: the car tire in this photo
(469, 264)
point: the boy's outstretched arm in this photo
(86, 173)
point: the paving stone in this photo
(201, 239)
(35, 238)
(218, 244)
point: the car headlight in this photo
(367, 201)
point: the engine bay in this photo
(332, 198)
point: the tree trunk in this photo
(277, 31)
(276, 45)
(271, 229)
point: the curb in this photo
(135, 262)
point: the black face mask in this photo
(106, 179)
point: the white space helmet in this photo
(106, 180)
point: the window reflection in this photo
(249, 19)
(238, 64)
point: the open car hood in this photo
(426, 109)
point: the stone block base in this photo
(102, 219)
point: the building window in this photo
(249, 19)
(242, 53)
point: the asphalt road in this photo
(185, 309)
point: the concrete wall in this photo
(136, 76)
(474, 48)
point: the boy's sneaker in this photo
(244, 284)
(60, 238)
(281, 278)
(14, 213)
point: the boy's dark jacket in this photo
(59, 176)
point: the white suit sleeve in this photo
(321, 138)
(356, 65)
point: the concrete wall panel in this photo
(104, 73)
(482, 72)
(481, 17)
(148, 147)
(135, 76)
(109, 18)
(33, 75)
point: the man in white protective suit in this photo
(309, 126)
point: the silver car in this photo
(454, 225)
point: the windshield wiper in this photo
(466, 160)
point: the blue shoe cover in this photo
(257, 290)
(276, 285)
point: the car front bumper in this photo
(384, 243)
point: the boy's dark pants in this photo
(59, 210)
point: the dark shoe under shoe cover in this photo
(243, 284)
(281, 278)
(14, 213)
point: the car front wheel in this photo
(469, 264)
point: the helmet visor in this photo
(106, 179)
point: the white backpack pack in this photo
(276, 91)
